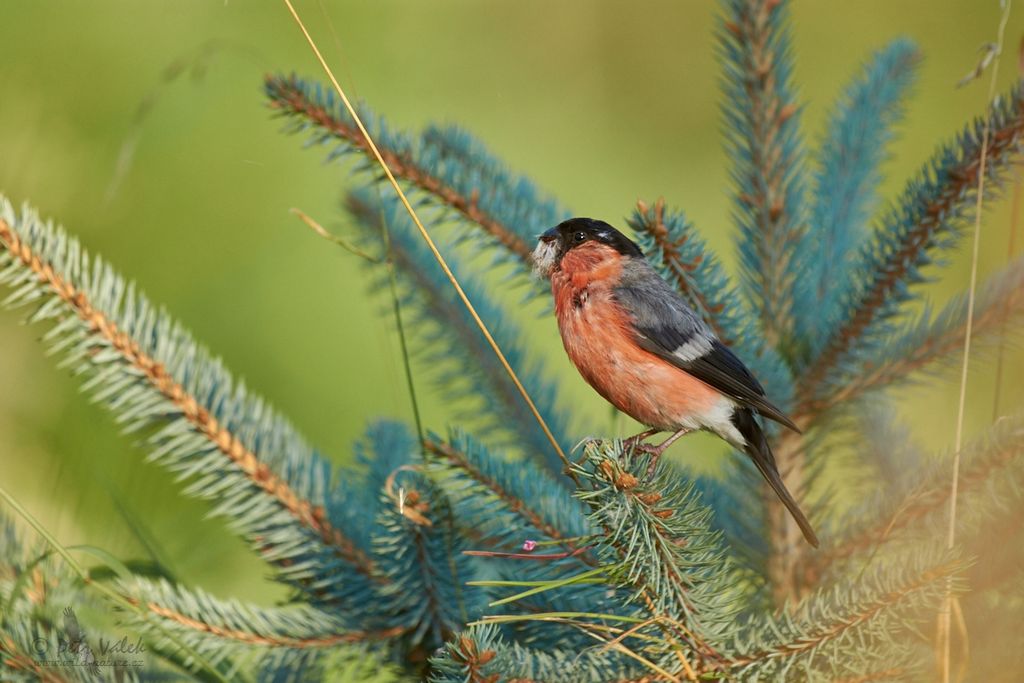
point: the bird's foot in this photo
(652, 450)
(635, 442)
(656, 451)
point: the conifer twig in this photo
(931, 340)
(989, 458)
(226, 441)
(250, 638)
(430, 242)
(860, 131)
(932, 209)
(16, 660)
(107, 591)
(761, 107)
(839, 623)
(287, 96)
(447, 452)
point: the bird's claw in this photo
(636, 442)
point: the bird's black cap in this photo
(576, 231)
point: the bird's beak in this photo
(549, 236)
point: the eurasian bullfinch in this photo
(636, 341)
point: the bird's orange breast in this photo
(598, 337)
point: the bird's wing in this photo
(664, 325)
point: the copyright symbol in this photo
(41, 645)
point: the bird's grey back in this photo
(656, 305)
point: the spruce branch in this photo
(413, 519)
(527, 499)
(32, 585)
(763, 137)
(409, 522)
(203, 425)
(272, 640)
(743, 520)
(928, 218)
(991, 477)
(20, 665)
(810, 643)
(417, 544)
(482, 655)
(504, 505)
(387, 447)
(443, 324)
(446, 165)
(260, 639)
(657, 544)
(424, 233)
(930, 341)
(846, 182)
(41, 637)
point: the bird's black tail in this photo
(759, 451)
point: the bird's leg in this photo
(632, 442)
(656, 451)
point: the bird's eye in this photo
(579, 237)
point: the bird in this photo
(637, 342)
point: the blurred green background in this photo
(601, 103)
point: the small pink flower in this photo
(528, 545)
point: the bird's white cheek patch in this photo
(544, 259)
